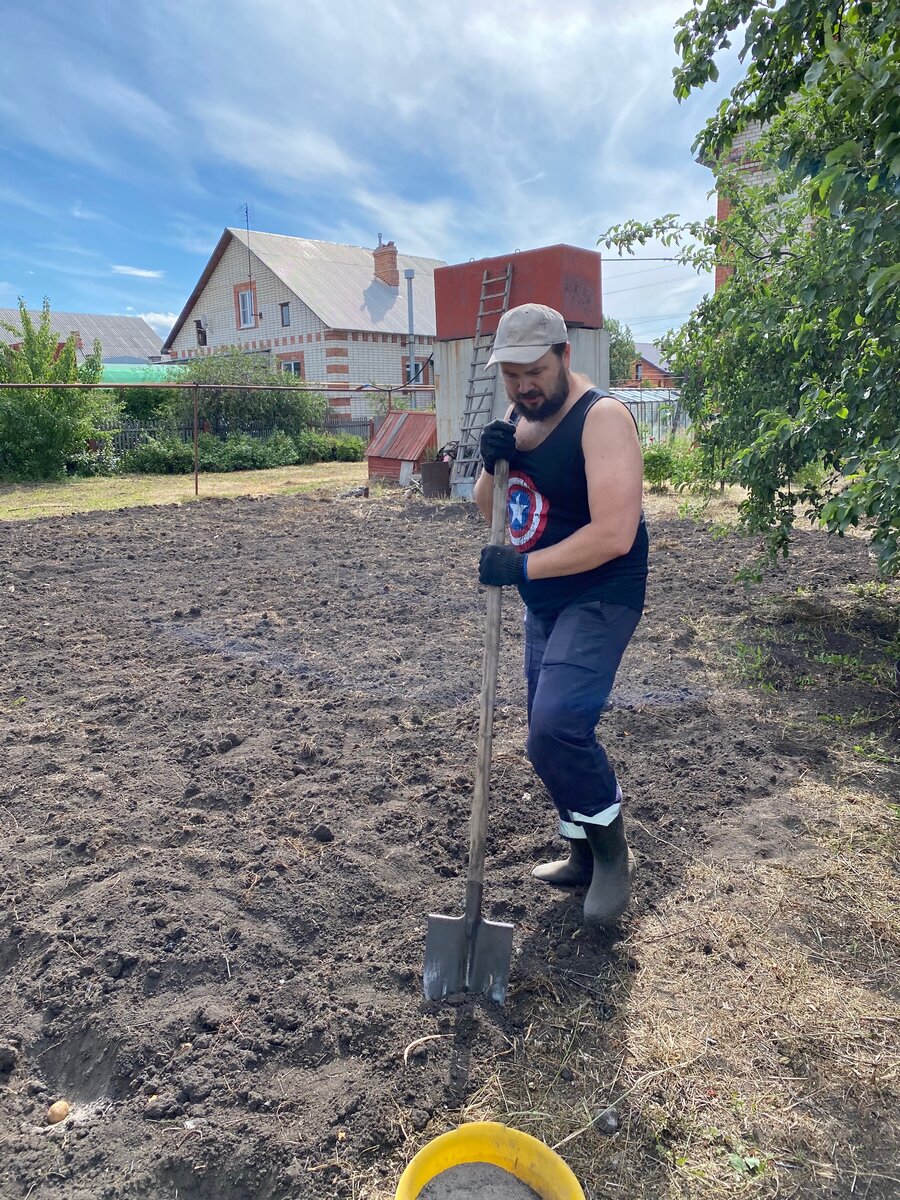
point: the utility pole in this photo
(409, 274)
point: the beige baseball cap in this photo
(526, 333)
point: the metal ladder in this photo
(480, 390)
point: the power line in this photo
(637, 287)
(651, 320)
(648, 271)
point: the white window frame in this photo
(247, 317)
(285, 308)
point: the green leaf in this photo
(814, 74)
(879, 281)
(845, 150)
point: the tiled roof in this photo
(122, 339)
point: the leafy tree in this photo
(44, 430)
(146, 403)
(224, 409)
(622, 353)
(793, 367)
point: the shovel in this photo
(468, 953)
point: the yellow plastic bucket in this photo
(523, 1156)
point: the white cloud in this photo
(137, 272)
(458, 130)
(160, 323)
(277, 148)
(19, 199)
(193, 236)
(7, 292)
(84, 214)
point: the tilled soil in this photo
(236, 768)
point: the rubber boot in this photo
(610, 889)
(574, 871)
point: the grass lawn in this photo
(22, 501)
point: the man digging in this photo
(578, 556)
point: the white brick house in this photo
(329, 313)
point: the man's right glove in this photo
(498, 440)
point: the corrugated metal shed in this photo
(403, 437)
(122, 339)
(337, 282)
(658, 395)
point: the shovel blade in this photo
(455, 962)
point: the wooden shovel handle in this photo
(478, 823)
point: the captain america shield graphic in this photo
(527, 511)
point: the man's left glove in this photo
(502, 565)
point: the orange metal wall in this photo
(566, 278)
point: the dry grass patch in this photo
(743, 1040)
(22, 502)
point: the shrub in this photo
(91, 461)
(348, 448)
(43, 430)
(281, 450)
(312, 446)
(160, 456)
(212, 454)
(687, 463)
(290, 410)
(147, 404)
(238, 452)
(678, 461)
(658, 464)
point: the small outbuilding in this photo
(404, 440)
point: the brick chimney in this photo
(79, 345)
(385, 255)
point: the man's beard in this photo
(553, 401)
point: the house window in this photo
(246, 310)
(292, 363)
(201, 333)
(639, 371)
(245, 306)
(285, 314)
(423, 372)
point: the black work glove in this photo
(501, 565)
(498, 440)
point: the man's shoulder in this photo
(603, 407)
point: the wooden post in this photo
(196, 450)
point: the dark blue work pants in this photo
(570, 664)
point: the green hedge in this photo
(240, 452)
(677, 462)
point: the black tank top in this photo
(547, 501)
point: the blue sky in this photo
(131, 135)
